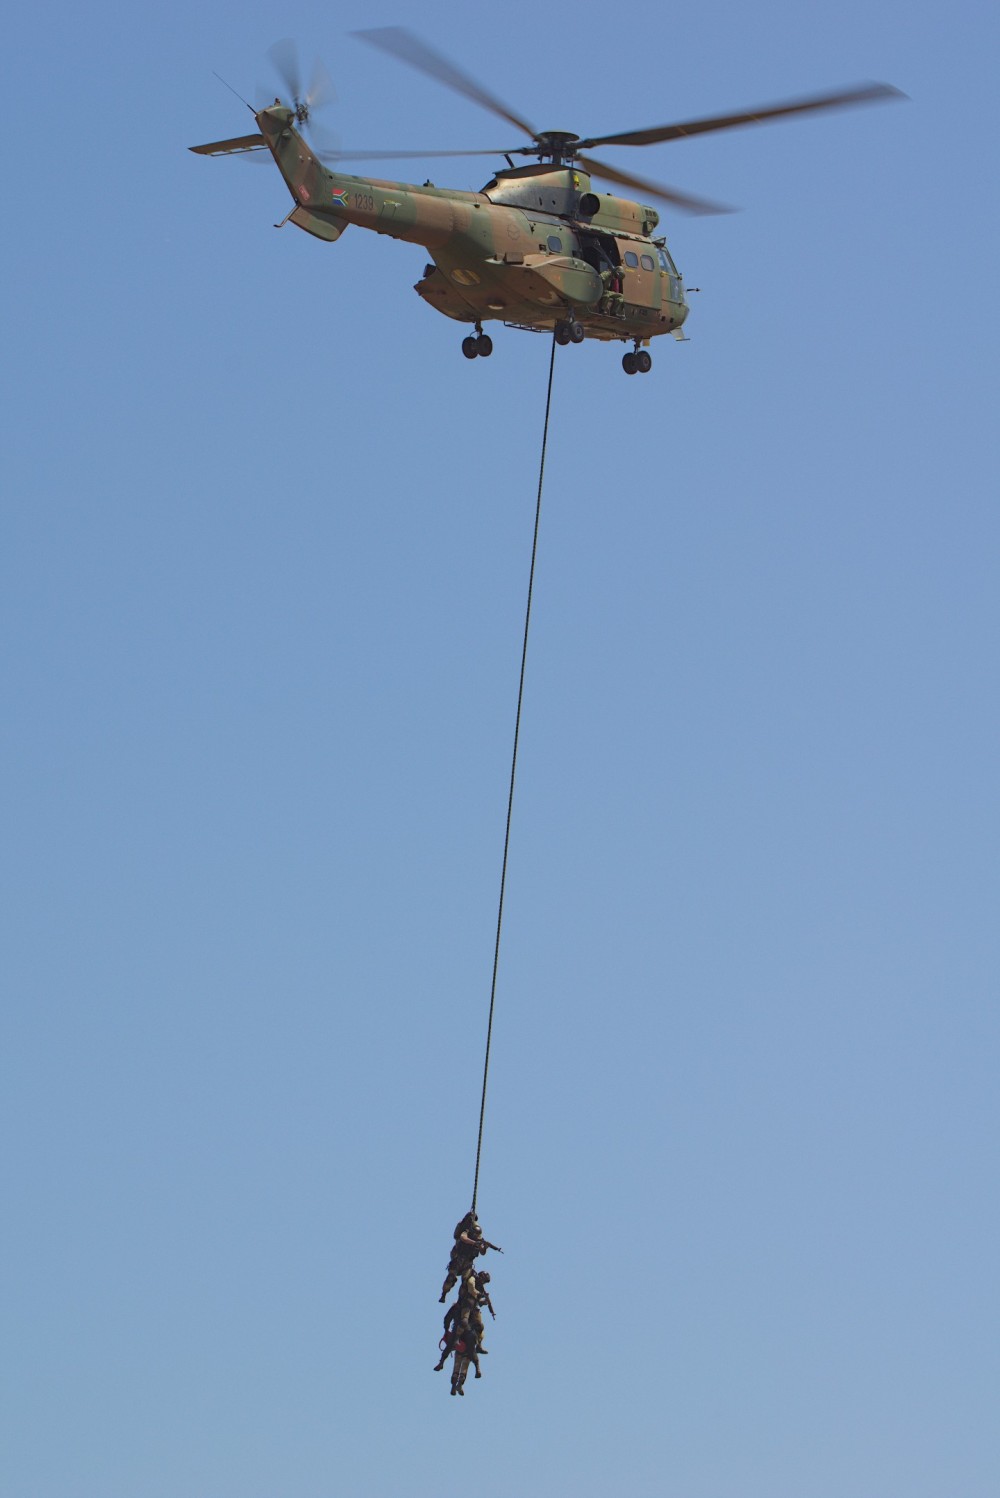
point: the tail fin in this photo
(304, 174)
(306, 178)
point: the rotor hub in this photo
(559, 144)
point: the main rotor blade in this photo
(322, 138)
(284, 56)
(402, 44)
(399, 155)
(867, 93)
(684, 201)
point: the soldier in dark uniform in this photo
(472, 1296)
(452, 1331)
(483, 1297)
(469, 1244)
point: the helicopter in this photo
(537, 248)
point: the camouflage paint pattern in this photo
(534, 248)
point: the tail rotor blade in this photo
(321, 89)
(284, 56)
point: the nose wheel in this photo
(639, 362)
(479, 347)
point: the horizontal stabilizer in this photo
(237, 147)
(323, 226)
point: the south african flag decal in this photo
(339, 195)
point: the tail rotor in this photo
(284, 57)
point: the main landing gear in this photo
(479, 347)
(639, 362)
(569, 332)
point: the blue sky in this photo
(266, 537)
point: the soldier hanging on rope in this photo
(465, 1315)
(461, 1338)
(452, 1331)
(467, 1351)
(469, 1244)
(474, 1295)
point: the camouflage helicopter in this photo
(537, 248)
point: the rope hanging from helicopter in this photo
(513, 772)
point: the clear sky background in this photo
(265, 546)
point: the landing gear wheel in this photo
(563, 333)
(470, 347)
(484, 345)
(576, 332)
(644, 361)
(630, 363)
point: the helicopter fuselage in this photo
(536, 247)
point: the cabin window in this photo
(666, 262)
(647, 262)
(631, 258)
(555, 244)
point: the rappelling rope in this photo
(513, 768)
